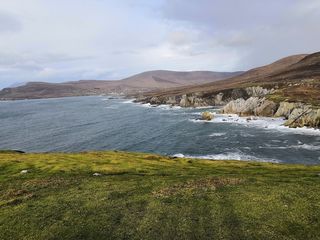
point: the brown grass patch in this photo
(15, 197)
(43, 183)
(194, 186)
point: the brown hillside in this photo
(147, 81)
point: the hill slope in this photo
(147, 81)
(296, 78)
(251, 76)
(144, 196)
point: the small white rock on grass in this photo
(97, 174)
(24, 171)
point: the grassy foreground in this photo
(144, 196)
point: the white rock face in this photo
(304, 116)
(286, 108)
(192, 101)
(184, 102)
(218, 99)
(252, 106)
(234, 106)
(171, 100)
(258, 91)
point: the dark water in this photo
(98, 123)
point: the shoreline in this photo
(174, 157)
(253, 118)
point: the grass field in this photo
(144, 196)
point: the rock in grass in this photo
(24, 171)
(207, 116)
(97, 174)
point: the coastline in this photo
(250, 101)
(234, 118)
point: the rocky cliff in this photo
(200, 99)
(250, 101)
(296, 113)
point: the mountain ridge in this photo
(142, 82)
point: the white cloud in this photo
(100, 39)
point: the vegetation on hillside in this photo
(118, 195)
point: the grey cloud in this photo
(129, 36)
(15, 59)
(9, 23)
(260, 31)
(231, 14)
(125, 52)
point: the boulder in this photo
(250, 106)
(207, 116)
(234, 107)
(267, 108)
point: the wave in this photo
(300, 146)
(168, 107)
(306, 146)
(227, 156)
(276, 124)
(128, 101)
(217, 134)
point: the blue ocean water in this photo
(101, 123)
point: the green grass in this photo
(144, 196)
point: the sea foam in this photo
(227, 156)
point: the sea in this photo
(77, 124)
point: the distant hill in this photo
(143, 82)
(297, 78)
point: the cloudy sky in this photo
(63, 40)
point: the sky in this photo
(66, 40)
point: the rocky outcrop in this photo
(285, 109)
(258, 91)
(304, 116)
(267, 108)
(252, 106)
(192, 100)
(184, 102)
(297, 114)
(250, 101)
(218, 99)
(155, 101)
(171, 100)
(203, 99)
